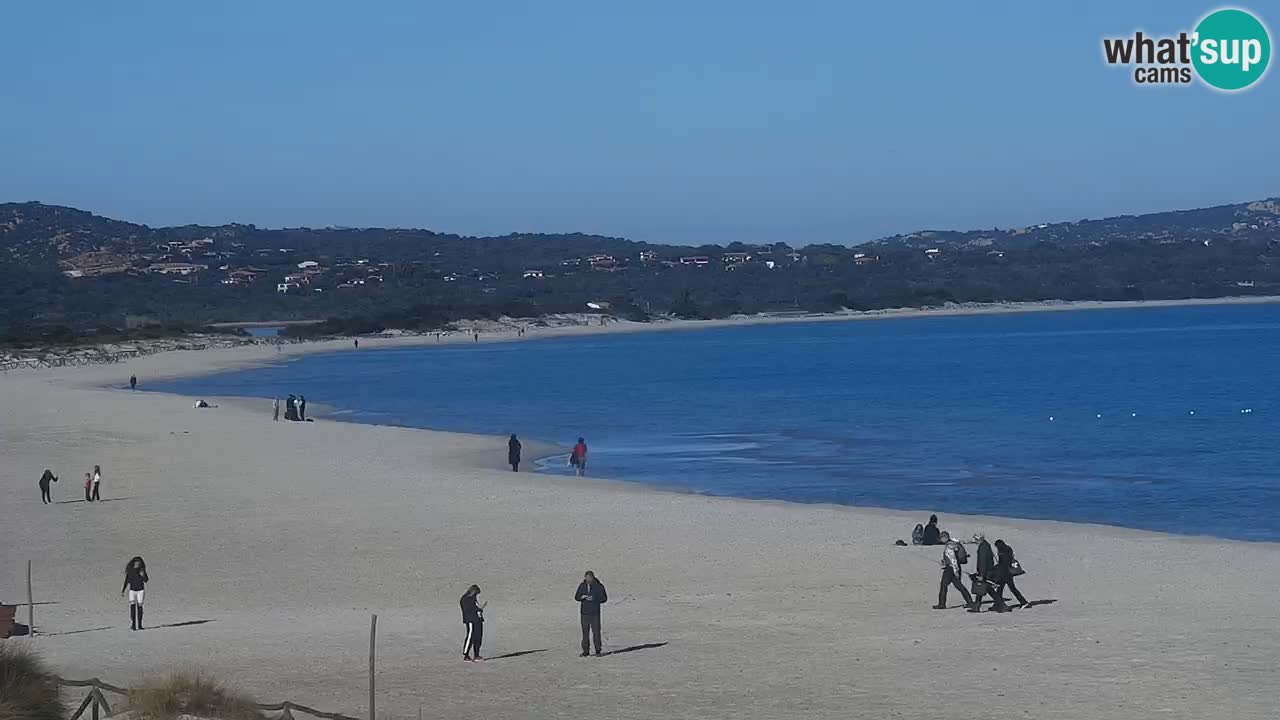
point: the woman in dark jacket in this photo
(473, 618)
(45, 479)
(1002, 576)
(135, 583)
(513, 453)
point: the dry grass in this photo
(188, 693)
(27, 689)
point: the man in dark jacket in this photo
(931, 534)
(986, 561)
(513, 453)
(590, 596)
(473, 619)
(45, 479)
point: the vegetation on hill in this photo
(67, 274)
(28, 691)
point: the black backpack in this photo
(962, 555)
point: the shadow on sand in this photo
(633, 648)
(75, 632)
(106, 500)
(522, 653)
(187, 623)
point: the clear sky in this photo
(663, 121)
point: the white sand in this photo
(287, 536)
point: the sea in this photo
(1163, 419)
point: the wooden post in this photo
(373, 639)
(31, 606)
(95, 704)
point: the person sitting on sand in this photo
(473, 618)
(45, 479)
(135, 583)
(513, 453)
(931, 533)
(578, 458)
(951, 575)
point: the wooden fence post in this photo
(31, 605)
(373, 639)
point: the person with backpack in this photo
(953, 556)
(932, 535)
(590, 596)
(1006, 569)
(473, 619)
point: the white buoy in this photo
(1193, 412)
(1133, 414)
(1050, 418)
(1099, 415)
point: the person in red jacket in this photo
(578, 458)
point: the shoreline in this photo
(270, 544)
(579, 324)
(548, 449)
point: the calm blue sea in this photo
(1162, 419)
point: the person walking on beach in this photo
(473, 619)
(513, 453)
(45, 479)
(302, 407)
(578, 458)
(590, 596)
(275, 409)
(1007, 568)
(953, 556)
(97, 482)
(357, 343)
(985, 563)
(135, 583)
(133, 382)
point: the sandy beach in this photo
(280, 540)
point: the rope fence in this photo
(96, 703)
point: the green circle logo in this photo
(1232, 49)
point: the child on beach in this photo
(88, 487)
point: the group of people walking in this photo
(590, 595)
(577, 456)
(993, 573)
(92, 485)
(295, 408)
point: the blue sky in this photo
(663, 121)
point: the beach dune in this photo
(270, 544)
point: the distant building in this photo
(932, 253)
(735, 258)
(533, 274)
(287, 287)
(308, 265)
(648, 256)
(176, 268)
(695, 260)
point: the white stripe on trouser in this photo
(466, 644)
(135, 597)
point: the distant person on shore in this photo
(477, 337)
(953, 556)
(135, 584)
(302, 408)
(473, 619)
(590, 596)
(97, 482)
(982, 569)
(88, 487)
(356, 342)
(291, 408)
(931, 533)
(275, 409)
(513, 453)
(1006, 569)
(578, 458)
(49, 477)
(133, 382)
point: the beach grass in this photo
(189, 692)
(28, 691)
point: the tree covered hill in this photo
(66, 272)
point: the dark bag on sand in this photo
(917, 535)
